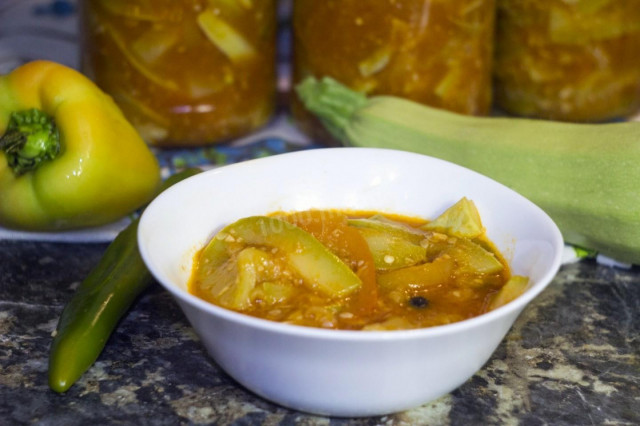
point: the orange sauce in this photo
(435, 288)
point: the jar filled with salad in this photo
(568, 60)
(185, 73)
(435, 52)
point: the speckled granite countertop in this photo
(572, 358)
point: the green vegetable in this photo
(421, 276)
(390, 251)
(460, 220)
(472, 258)
(273, 292)
(152, 44)
(376, 62)
(226, 38)
(318, 266)
(383, 224)
(585, 176)
(145, 69)
(233, 282)
(512, 289)
(101, 300)
(391, 246)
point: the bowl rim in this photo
(309, 332)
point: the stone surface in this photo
(572, 358)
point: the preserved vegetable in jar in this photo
(185, 73)
(568, 60)
(432, 51)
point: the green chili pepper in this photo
(101, 300)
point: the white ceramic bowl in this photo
(344, 373)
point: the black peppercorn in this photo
(419, 302)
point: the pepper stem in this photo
(30, 139)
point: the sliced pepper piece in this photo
(317, 265)
(68, 157)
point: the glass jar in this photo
(185, 73)
(568, 60)
(435, 52)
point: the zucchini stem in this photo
(333, 103)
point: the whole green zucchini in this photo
(585, 176)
